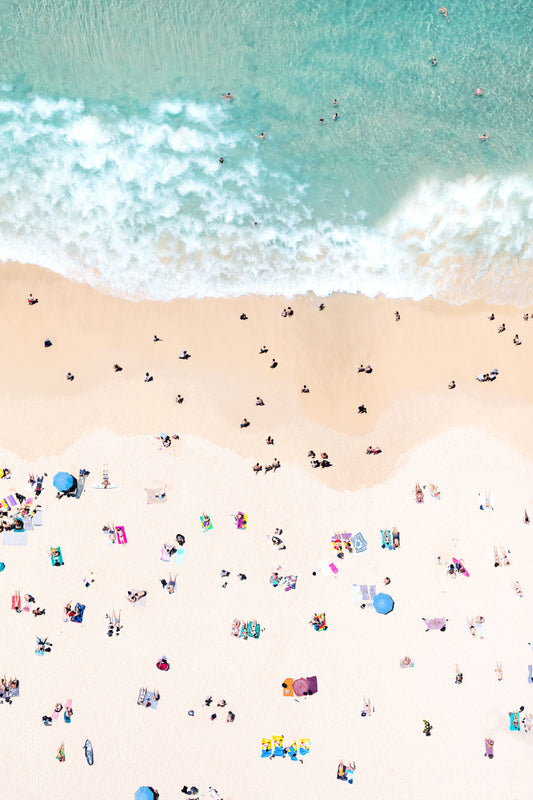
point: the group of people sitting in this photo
(257, 468)
(323, 461)
(8, 689)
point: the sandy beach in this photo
(475, 438)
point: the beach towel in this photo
(489, 748)
(121, 534)
(359, 542)
(15, 538)
(156, 496)
(435, 624)
(292, 752)
(149, 701)
(16, 602)
(165, 555)
(287, 687)
(79, 487)
(460, 564)
(333, 568)
(266, 748)
(357, 595)
(38, 517)
(207, 525)
(235, 627)
(141, 602)
(56, 557)
(386, 540)
(79, 616)
(28, 524)
(530, 673)
(486, 501)
(10, 501)
(179, 555)
(364, 592)
(55, 714)
(300, 687)
(312, 685)
(278, 746)
(241, 520)
(257, 631)
(304, 746)
(514, 721)
(372, 592)
(290, 582)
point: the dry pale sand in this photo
(473, 438)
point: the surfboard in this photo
(101, 486)
(89, 752)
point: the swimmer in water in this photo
(444, 13)
(321, 120)
(336, 115)
(478, 92)
(260, 135)
(433, 60)
(227, 96)
(335, 103)
(483, 137)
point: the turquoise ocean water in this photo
(112, 126)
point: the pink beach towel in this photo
(121, 534)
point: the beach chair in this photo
(372, 592)
(359, 542)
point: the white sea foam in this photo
(141, 206)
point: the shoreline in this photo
(406, 395)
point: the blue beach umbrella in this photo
(383, 603)
(145, 793)
(64, 481)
